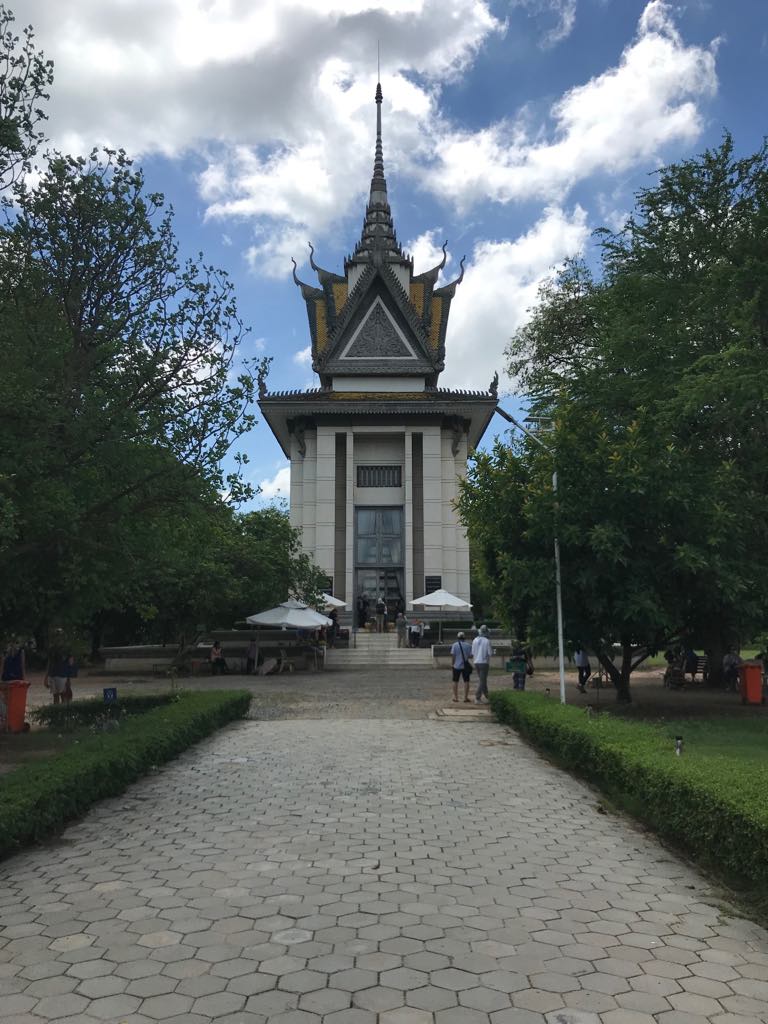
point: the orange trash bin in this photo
(13, 705)
(751, 682)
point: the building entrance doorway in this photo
(379, 568)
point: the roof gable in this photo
(377, 332)
(378, 336)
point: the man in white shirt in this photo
(461, 652)
(581, 661)
(481, 659)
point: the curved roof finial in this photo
(312, 257)
(444, 247)
(295, 276)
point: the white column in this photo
(325, 498)
(408, 505)
(448, 480)
(296, 491)
(433, 503)
(462, 541)
(308, 493)
(350, 512)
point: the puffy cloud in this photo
(278, 486)
(499, 289)
(303, 357)
(167, 75)
(564, 13)
(273, 91)
(611, 122)
(427, 251)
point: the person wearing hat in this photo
(461, 652)
(481, 659)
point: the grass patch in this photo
(711, 801)
(39, 798)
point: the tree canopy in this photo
(653, 377)
(124, 385)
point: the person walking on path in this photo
(252, 656)
(362, 611)
(519, 665)
(731, 662)
(333, 629)
(481, 659)
(461, 652)
(415, 633)
(13, 663)
(58, 673)
(581, 661)
(401, 628)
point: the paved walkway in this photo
(367, 872)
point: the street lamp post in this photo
(558, 580)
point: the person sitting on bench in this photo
(218, 664)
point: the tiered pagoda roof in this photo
(378, 320)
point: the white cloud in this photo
(303, 357)
(564, 13)
(278, 96)
(499, 289)
(427, 251)
(278, 486)
(615, 120)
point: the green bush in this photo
(37, 800)
(713, 806)
(86, 712)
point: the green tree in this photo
(122, 386)
(25, 76)
(213, 568)
(654, 379)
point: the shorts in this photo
(58, 684)
(461, 673)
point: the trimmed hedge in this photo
(39, 799)
(714, 807)
(87, 712)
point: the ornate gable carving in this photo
(378, 337)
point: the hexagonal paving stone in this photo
(218, 1004)
(57, 1006)
(301, 981)
(325, 1000)
(406, 1015)
(353, 980)
(163, 1007)
(113, 1007)
(431, 998)
(485, 999)
(378, 998)
(454, 979)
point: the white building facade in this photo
(377, 451)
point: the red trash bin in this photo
(751, 682)
(13, 705)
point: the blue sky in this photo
(512, 128)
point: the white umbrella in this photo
(441, 600)
(329, 601)
(291, 614)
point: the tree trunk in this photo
(619, 675)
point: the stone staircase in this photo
(379, 649)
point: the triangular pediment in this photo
(377, 336)
(377, 332)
